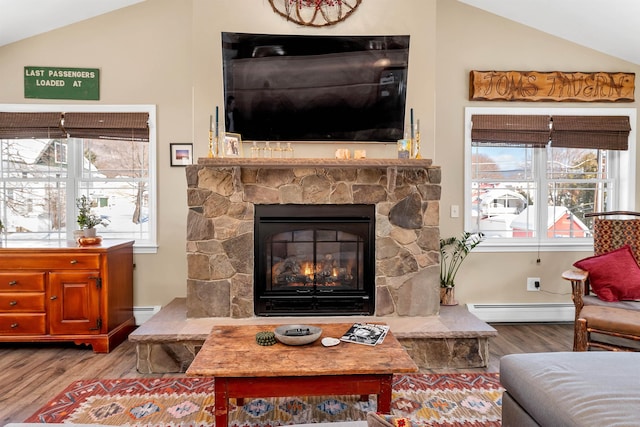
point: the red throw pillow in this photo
(614, 276)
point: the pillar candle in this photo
(216, 120)
(412, 135)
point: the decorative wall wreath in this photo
(315, 13)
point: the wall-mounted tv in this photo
(315, 88)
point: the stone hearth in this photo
(222, 194)
(455, 339)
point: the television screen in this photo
(315, 88)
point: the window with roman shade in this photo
(52, 154)
(532, 174)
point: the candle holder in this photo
(416, 145)
(210, 154)
(213, 146)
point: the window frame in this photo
(147, 246)
(624, 189)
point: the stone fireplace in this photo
(222, 198)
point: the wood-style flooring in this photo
(32, 374)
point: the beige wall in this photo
(167, 53)
(470, 39)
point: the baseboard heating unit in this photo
(521, 312)
(142, 314)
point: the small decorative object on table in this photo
(89, 241)
(87, 221)
(297, 334)
(266, 338)
(366, 333)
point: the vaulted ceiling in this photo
(612, 27)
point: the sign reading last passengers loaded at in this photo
(556, 86)
(62, 83)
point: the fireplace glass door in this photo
(314, 260)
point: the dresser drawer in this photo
(21, 281)
(50, 261)
(21, 302)
(19, 324)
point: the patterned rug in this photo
(470, 400)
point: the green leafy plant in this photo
(453, 251)
(86, 219)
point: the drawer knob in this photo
(74, 261)
(13, 283)
(53, 297)
(14, 325)
(12, 303)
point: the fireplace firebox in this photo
(314, 260)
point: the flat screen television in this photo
(315, 88)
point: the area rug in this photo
(472, 400)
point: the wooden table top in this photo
(232, 351)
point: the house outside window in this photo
(52, 154)
(528, 187)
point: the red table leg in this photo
(221, 402)
(384, 398)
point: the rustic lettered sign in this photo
(551, 86)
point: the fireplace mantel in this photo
(324, 163)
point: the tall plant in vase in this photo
(453, 251)
(87, 221)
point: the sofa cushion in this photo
(594, 388)
(614, 276)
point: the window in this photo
(533, 173)
(52, 154)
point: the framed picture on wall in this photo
(181, 154)
(232, 146)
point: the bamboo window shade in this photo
(56, 125)
(604, 132)
(510, 130)
(31, 125)
(591, 132)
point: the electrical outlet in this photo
(533, 284)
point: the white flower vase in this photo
(89, 232)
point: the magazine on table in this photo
(366, 333)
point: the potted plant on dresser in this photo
(87, 220)
(453, 251)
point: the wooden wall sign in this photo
(551, 86)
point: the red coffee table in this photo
(242, 368)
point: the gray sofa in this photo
(571, 389)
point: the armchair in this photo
(606, 286)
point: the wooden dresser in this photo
(64, 292)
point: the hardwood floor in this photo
(32, 374)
